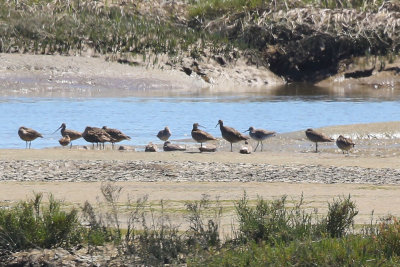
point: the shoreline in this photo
(93, 76)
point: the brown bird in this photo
(64, 141)
(229, 134)
(117, 135)
(208, 148)
(73, 135)
(28, 135)
(150, 148)
(201, 136)
(317, 137)
(96, 135)
(165, 134)
(260, 135)
(171, 147)
(345, 144)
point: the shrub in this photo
(158, 241)
(340, 218)
(203, 227)
(273, 222)
(389, 236)
(31, 224)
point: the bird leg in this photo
(256, 146)
(262, 146)
(316, 147)
(30, 142)
(231, 148)
(70, 146)
(201, 144)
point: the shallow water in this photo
(284, 109)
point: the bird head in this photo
(63, 126)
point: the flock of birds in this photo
(102, 135)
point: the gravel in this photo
(147, 171)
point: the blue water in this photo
(143, 117)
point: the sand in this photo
(383, 199)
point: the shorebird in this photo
(260, 135)
(246, 149)
(73, 135)
(201, 136)
(150, 148)
(171, 147)
(345, 144)
(317, 137)
(229, 134)
(165, 134)
(207, 148)
(117, 135)
(96, 135)
(64, 141)
(28, 135)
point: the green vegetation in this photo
(277, 232)
(211, 9)
(300, 40)
(48, 27)
(31, 224)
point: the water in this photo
(285, 109)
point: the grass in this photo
(211, 9)
(258, 30)
(51, 27)
(277, 232)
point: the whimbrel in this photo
(117, 135)
(246, 149)
(345, 144)
(171, 147)
(64, 141)
(28, 135)
(201, 136)
(96, 135)
(317, 137)
(73, 135)
(229, 134)
(165, 134)
(260, 135)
